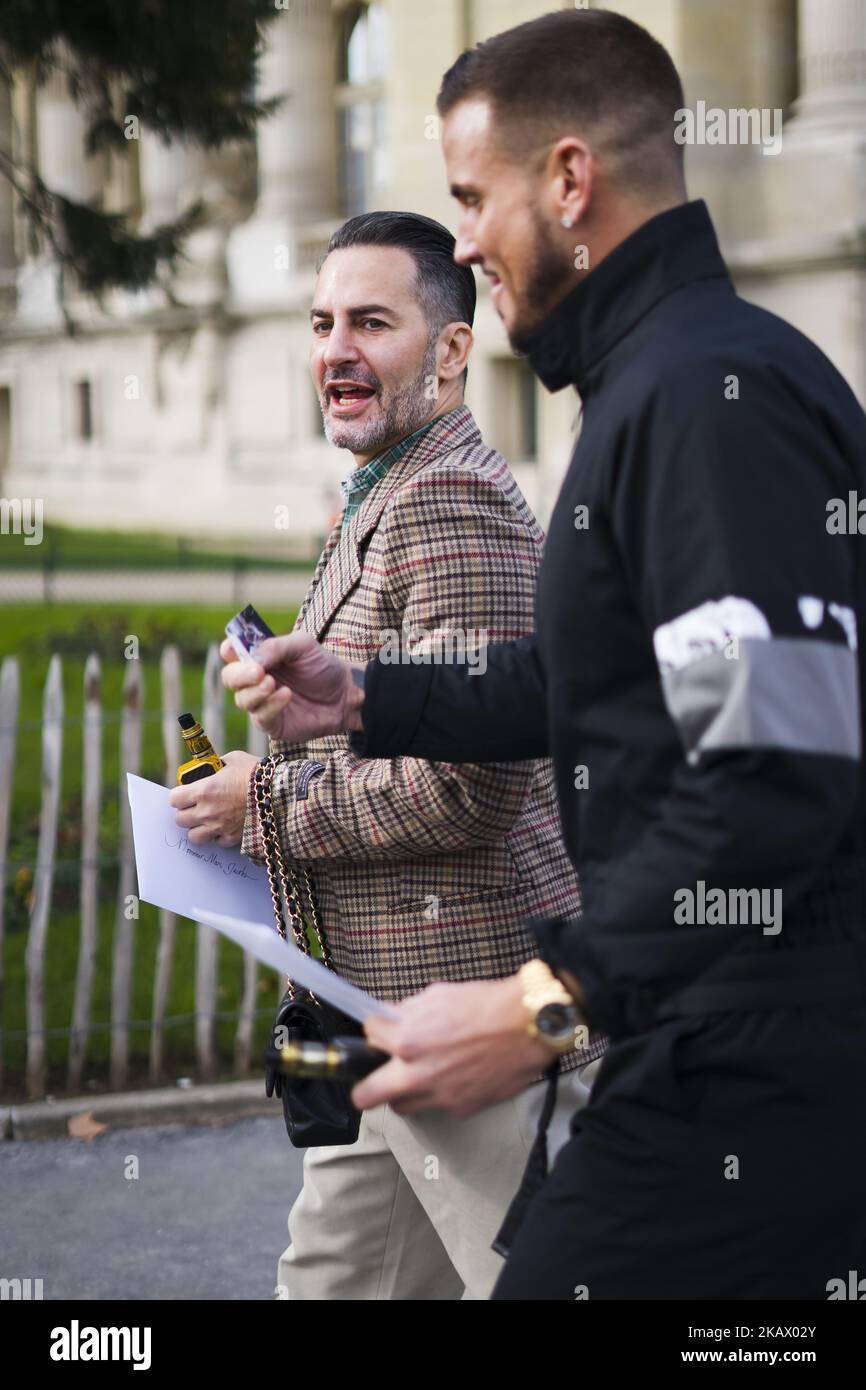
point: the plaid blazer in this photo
(425, 871)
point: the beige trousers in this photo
(410, 1210)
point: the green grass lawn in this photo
(33, 634)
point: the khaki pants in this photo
(410, 1210)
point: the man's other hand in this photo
(293, 689)
(455, 1047)
(214, 808)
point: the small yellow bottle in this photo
(204, 762)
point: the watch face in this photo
(556, 1020)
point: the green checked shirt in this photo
(356, 486)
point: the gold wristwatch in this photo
(553, 1016)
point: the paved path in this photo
(263, 588)
(205, 1219)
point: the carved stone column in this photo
(296, 154)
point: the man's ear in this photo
(571, 168)
(456, 341)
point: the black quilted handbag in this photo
(316, 1112)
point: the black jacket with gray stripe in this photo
(695, 671)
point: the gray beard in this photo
(405, 411)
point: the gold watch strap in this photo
(540, 986)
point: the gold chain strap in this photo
(281, 878)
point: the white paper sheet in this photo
(269, 947)
(226, 891)
(174, 874)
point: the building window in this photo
(84, 410)
(513, 410)
(360, 96)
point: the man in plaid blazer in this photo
(422, 871)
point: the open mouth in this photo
(348, 397)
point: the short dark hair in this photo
(446, 290)
(594, 70)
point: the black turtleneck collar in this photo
(670, 250)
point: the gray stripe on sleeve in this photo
(800, 694)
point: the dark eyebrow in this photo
(362, 311)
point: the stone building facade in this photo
(201, 419)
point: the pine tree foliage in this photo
(185, 69)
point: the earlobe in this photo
(457, 351)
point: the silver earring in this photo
(566, 220)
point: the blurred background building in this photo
(201, 419)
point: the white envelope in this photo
(176, 875)
(225, 891)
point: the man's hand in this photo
(213, 809)
(294, 689)
(456, 1048)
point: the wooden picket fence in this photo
(130, 735)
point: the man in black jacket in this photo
(695, 674)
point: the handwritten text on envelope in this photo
(175, 875)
